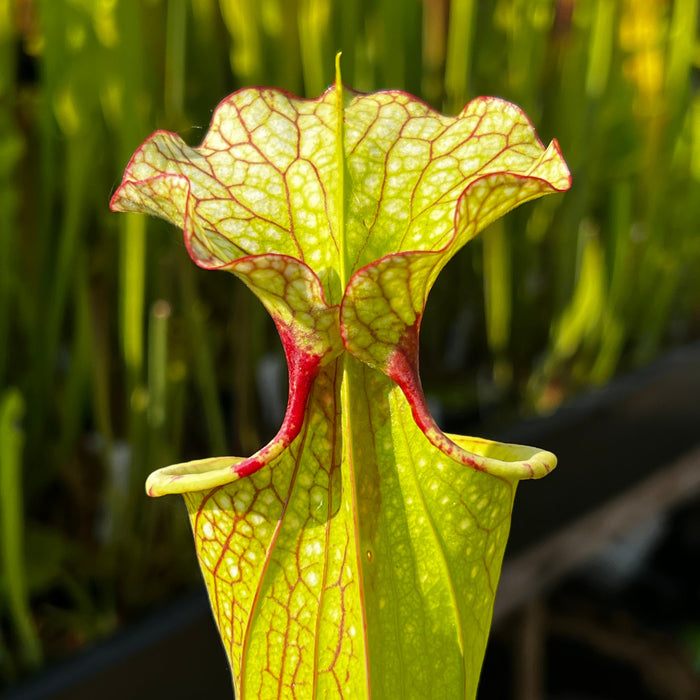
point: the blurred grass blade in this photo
(314, 26)
(601, 45)
(7, 53)
(158, 364)
(11, 147)
(695, 139)
(132, 292)
(459, 53)
(391, 53)
(583, 314)
(175, 57)
(681, 44)
(349, 34)
(246, 55)
(135, 104)
(434, 27)
(12, 525)
(497, 295)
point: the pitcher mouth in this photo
(500, 459)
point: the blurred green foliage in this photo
(118, 356)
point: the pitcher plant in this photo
(357, 554)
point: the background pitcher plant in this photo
(357, 554)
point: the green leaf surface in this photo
(357, 554)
